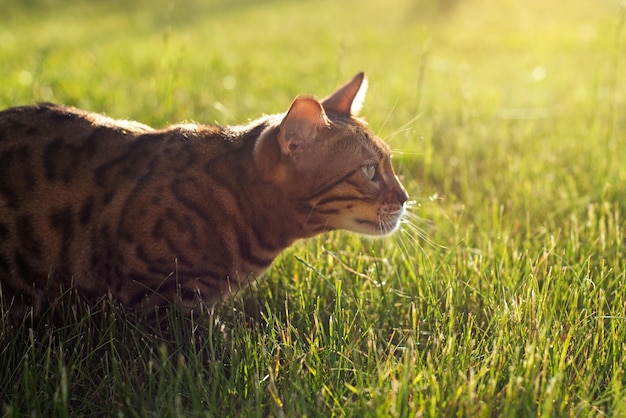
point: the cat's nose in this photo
(401, 194)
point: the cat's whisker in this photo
(401, 152)
(382, 126)
(385, 225)
(411, 225)
(407, 244)
(306, 220)
(410, 203)
(404, 128)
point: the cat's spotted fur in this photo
(184, 213)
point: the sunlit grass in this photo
(503, 293)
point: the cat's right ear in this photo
(301, 126)
(348, 99)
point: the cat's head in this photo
(338, 172)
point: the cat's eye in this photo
(369, 170)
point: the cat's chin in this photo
(379, 233)
(375, 229)
(386, 230)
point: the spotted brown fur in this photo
(186, 213)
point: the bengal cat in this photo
(181, 214)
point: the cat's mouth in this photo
(388, 221)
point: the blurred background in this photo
(167, 57)
(502, 294)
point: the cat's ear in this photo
(300, 126)
(348, 99)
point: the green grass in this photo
(508, 124)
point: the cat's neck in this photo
(267, 186)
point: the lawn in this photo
(504, 293)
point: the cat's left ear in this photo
(348, 99)
(300, 126)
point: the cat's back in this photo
(57, 132)
(49, 150)
(40, 124)
(41, 117)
